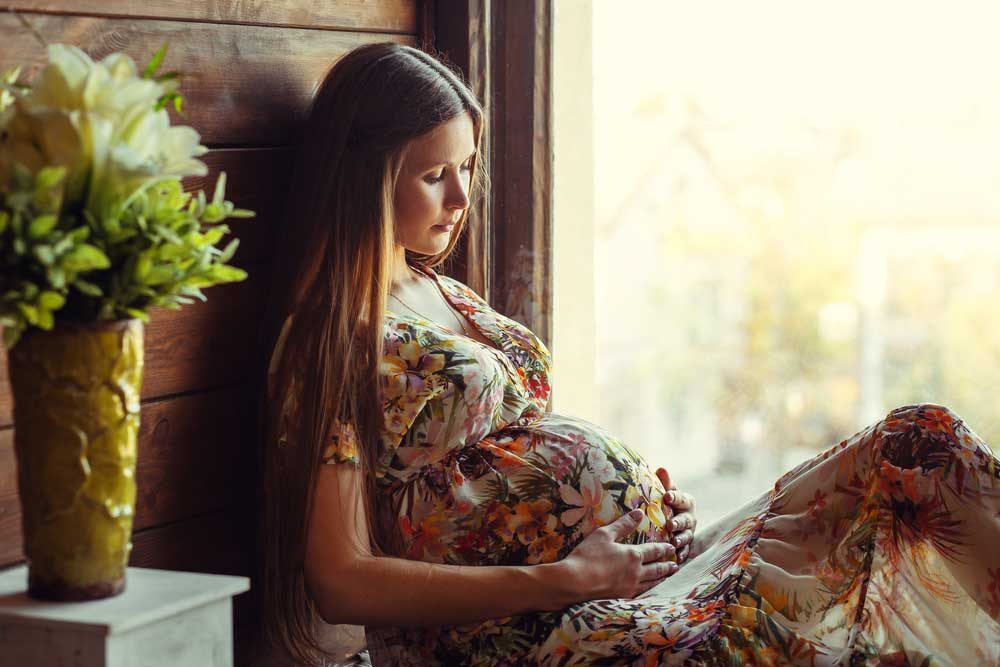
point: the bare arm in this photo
(351, 586)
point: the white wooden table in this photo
(162, 618)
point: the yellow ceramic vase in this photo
(76, 420)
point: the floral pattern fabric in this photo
(879, 551)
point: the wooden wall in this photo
(250, 71)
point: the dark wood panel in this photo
(205, 344)
(256, 179)
(243, 85)
(372, 15)
(192, 461)
(461, 34)
(11, 542)
(521, 239)
(217, 543)
(221, 542)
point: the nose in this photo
(457, 195)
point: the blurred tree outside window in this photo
(796, 228)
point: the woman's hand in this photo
(684, 521)
(599, 568)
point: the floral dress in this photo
(882, 550)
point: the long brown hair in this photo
(332, 271)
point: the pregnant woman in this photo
(415, 484)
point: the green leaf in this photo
(51, 300)
(141, 314)
(159, 275)
(4, 221)
(30, 312)
(88, 288)
(85, 257)
(41, 226)
(214, 235)
(229, 251)
(191, 290)
(56, 276)
(242, 213)
(168, 234)
(189, 226)
(64, 244)
(213, 213)
(142, 266)
(227, 274)
(220, 189)
(155, 62)
(45, 320)
(45, 254)
(48, 177)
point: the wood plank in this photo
(256, 179)
(462, 34)
(521, 253)
(397, 16)
(205, 344)
(221, 542)
(242, 85)
(215, 543)
(193, 460)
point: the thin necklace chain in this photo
(462, 324)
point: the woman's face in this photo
(432, 191)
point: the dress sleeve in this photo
(342, 447)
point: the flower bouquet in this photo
(95, 229)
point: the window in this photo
(792, 227)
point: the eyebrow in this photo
(450, 164)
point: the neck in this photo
(402, 274)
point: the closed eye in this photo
(440, 176)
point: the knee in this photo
(925, 435)
(928, 416)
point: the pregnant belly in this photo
(530, 494)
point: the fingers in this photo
(683, 554)
(657, 571)
(665, 478)
(625, 525)
(681, 522)
(655, 551)
(682, 539)
(681, 501)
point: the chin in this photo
(431, 248)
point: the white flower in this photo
(598, 462)
(97, 119)
(591, 503)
